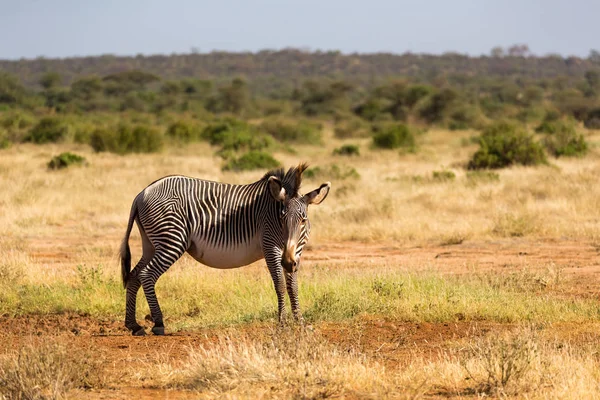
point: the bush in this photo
(252, 160)
(552, 127)
(127, 139)
(183, 131)
(233, 135)
(302, 132)
(347, 150)
(503, 144)
(48, 130)
(351, 127)
(4, 140)
(393, 137)
(593, 119)
(65, 160)
(443, 176)
(566, 143)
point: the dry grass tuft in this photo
(47, 370)
(291, 363)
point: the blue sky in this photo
(62, 28)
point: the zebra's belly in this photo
(224, 258)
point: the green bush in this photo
(552, 127)
(127, 139)
(443, 176)
(16, 121)
(592, 120)
(503, 144)
(302, 132)
(65, 160)
(351, 127)
(566, 143)
(393, 136)
(252, 160)
(233, 135)
(48, 130)
(4, 140)
(183, 131)
(347, 150)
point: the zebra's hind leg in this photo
(133, 286)
(159, 264)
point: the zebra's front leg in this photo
(273, 259)
(291, 282)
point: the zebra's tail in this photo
(125, 252)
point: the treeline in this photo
(294, 65)
(467, 103)
(138, 110)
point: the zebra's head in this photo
(293, 217)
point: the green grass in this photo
(202, 297)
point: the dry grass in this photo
(301, 363)
(394, 198)
(47, 369)
(293, 363)
(59, 235)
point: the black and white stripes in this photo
(221, 225)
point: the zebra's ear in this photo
(318, 195)
(276, 188)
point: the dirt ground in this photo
(390, 342)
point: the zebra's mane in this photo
(291, 180)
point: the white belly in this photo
(230, 257)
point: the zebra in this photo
(222, 226)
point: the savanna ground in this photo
(485, 284)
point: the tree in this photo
(497, 52)
(50, 80)
(11, 90)
(518, 50)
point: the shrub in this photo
(303, 132)
(503, 144)
(566, 143)
(233, 135)
(183, 131)
(593, 119)
(443, 176)
(393, 136)
(4, 140)
(48, 130)
(127, 139)
(347, 150)
(551, 127)
(252, 160)
(350, 127)
(65, 160)
(17, 120)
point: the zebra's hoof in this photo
(139, 332)
(158, 330)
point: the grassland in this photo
(415, 284)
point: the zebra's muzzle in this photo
(288, 260)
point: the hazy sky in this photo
(61, 28)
